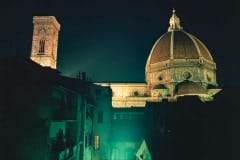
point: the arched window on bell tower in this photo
(41, 46)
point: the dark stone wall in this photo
(191, 129)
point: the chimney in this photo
(84, 76)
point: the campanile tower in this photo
(45, 41)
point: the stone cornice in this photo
(47, 20)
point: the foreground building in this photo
(45, 116)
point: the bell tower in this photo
(45, 41)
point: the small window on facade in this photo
(88, 140)
(41, 46)
(89, 113)
(96, 142)
(136, 93)
(100, 117)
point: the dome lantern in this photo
(174, 22)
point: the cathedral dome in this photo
(178, 56)
(178, 44)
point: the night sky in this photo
(111, 39)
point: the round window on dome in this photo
(160, 78)
(136, 93)
(187, 75)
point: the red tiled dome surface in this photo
(184, 45)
